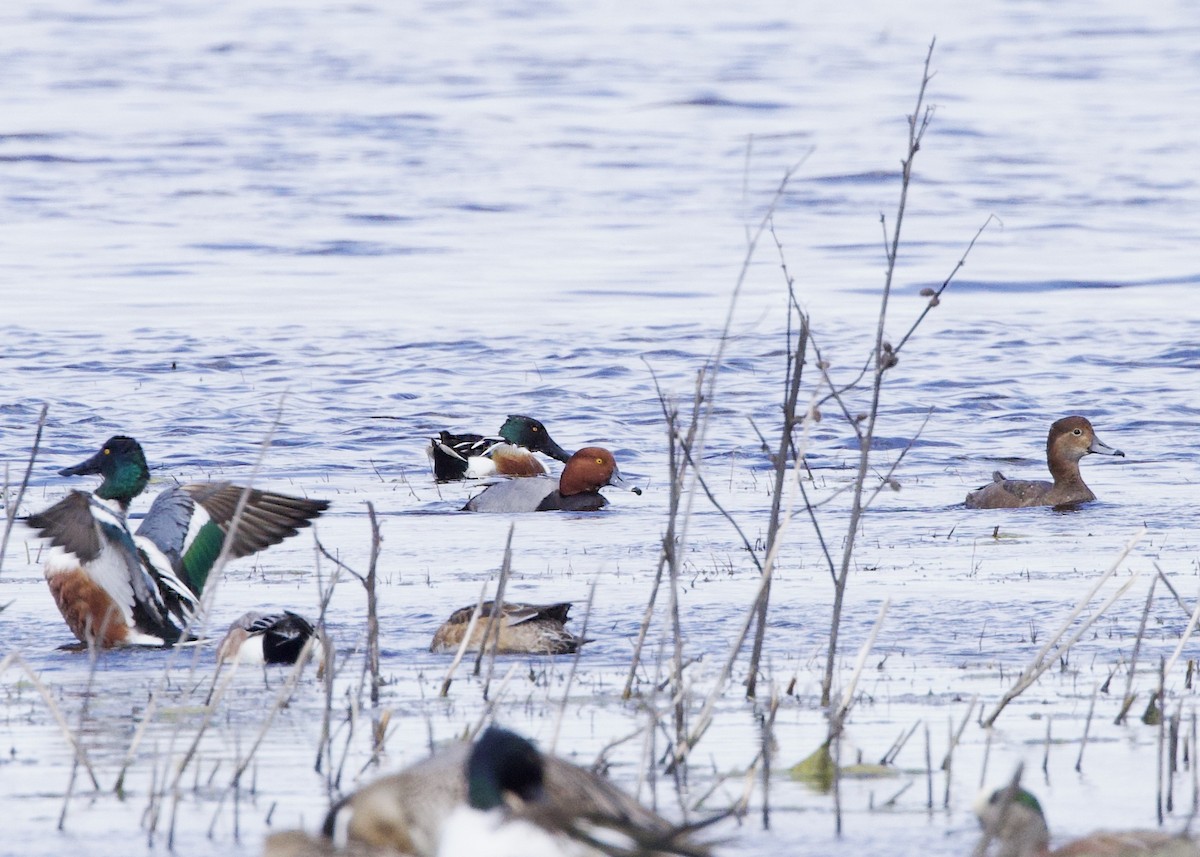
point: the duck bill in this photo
(619, 481)
(555, 451)
(84, 468)
(1099, 446)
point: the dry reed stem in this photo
(1167, 583)
(683, 748)
(462, 646)
(918, 122)
(1162, 717)
(767, 742)
(1043, 659)
(562, 708)
(1187, 633)
(794, 377)
(281, 699)
(703, 406)
(928, 772)
(1127, 699)
(373, 606)
(138, 735)
(957, 734)
(55, 711)
(837, 720)
(491, 702)
(704, 719)
(491, 635)
(667, 552)
(12, 508)
(84, 708)
(1046, 747)
(889, 758)
(323, 763)
(199, 620)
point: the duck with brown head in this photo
(1071, 438)
(576, 490)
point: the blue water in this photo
(366, 223)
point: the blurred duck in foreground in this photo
(1071, 438)
(497, 798)
(529, 629)
(473, 456)
(272, 638)
(120, 588)
(576, 490)
(1013, 823)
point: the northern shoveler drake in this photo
(1013, 822)
(576, 490)
(531, 629)
(272, 638)
(120, 588)
(1070, 439)
(411, 812)
(473, 456)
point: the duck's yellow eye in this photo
(107, 451)
(600, 461)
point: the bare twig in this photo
(16, 503)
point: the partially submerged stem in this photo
(883, 359)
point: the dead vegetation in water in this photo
(668, 703)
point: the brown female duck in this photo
(529, 629)
(1071, 438)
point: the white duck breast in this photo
(474, 833)
(88, 530)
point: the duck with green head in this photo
(473, 456)
(527, 803)
(116, 587)
(1014, 826)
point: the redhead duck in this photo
(274, 638)
(576, 490)
(122, 588)
(1071, 438)
(415, 811)
(1017, 827)
(473, 456)
(529, 629)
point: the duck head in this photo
(1013, 818)
(589, 470)
(500, 762)
(122, 464)
(531, 434)
(1071, 438)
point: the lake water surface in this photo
(381, 220)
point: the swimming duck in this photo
(1071, 438)
(576, 490)
(530, 629)
(121, 588)
(274, 638)
(410, 812)
(473, 456)
(1019, 829)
